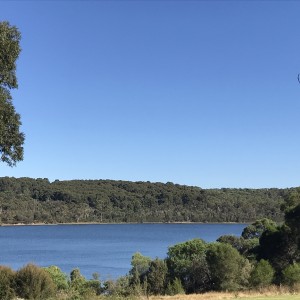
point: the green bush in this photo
(140, 264)
(175, 287)
(156, 277)
(34, 283)
(187, 261)
(291, 275)
(94, 285)
(256, 229)
(59, 278)
(262, 275)
(121, 288)
(7, 276)
(228, 269)
(82, 289)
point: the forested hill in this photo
(26, 200)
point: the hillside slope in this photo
(27, 200)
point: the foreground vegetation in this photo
(32, 282)
(27, 201)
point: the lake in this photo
(103, 248)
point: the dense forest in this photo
(27, 200)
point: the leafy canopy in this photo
(187, 262)
(11, 139)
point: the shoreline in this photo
(120, 223)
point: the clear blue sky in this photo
(199, 93)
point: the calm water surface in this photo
(106, 249)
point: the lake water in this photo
(104, 248)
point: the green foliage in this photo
(9, 53)
(262, 275)
(94, 285)
(255, 230)
(11, 139)
(280, 247)
(228, 269)
(246, 247)
(27, 200)
(59, 278)
(140, 264)
(76, 277)
(77, 281)
(292, 219)
(250, 248)
(187, 262)
(137, 274)
(235, 241)
(291, 274)
(175, 287)
(120, 288)
(156, 277)
(7, 280)
(82, 289)
(34, 283)
(292, 199)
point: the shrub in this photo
(228, 269)
(256, 229)
(94, 284)
(187, 261)
(156, 277)
(262, 275)
(291, 275)
(34, 283)
(175, 287)
(82, 288)
(59, 278)
(140, 265)
(6, 283)
(121, 288)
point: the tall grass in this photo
(270, 293)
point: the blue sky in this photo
(200, 93)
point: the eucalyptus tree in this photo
(187, 262)
(11, 139)
(229, 270)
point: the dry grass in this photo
(227, 296)
(276, 293)
(206, 296)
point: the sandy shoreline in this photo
(98, 223)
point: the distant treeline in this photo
(27, 200)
